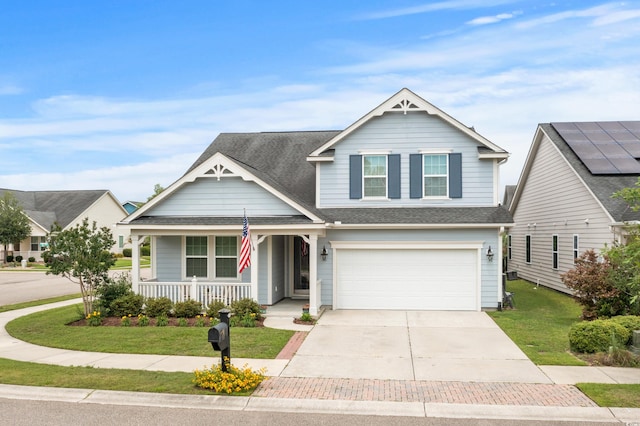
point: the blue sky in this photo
(122, 95)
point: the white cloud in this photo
(434, 7)
(484, 20)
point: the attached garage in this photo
(407, 277)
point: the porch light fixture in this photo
(324, 253)
(490, 254)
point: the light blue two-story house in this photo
(398, 211)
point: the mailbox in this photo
(219, 336)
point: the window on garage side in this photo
(576, 247)
(196, 256)
(554, 251)
(226, 253)
(435, 168)
(527, 248)
(374, 175)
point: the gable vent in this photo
(405, 105)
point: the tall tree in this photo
(14, 223)
(82, 255)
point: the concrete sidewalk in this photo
(551, 398)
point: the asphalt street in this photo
(24, 286)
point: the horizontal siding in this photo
(405, 135)
(556, 201)
(226, 197)
(169, 258)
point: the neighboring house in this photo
(398, 211)
(562, 205)
(67, 209)
(131, 206)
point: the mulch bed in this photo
(172, 322)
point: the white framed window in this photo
(527, 248)
(576, 247)
(435, 175)
(120, 241)
(374, 176)
(226, 257)
(509, 246)
(196, 250)
(554, 251)
(38, 243)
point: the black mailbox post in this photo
(219, 338)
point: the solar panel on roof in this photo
(604, 147)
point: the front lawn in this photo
(540, 323)
(612, 395)
(48, 328)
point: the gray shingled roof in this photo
(49, 207)
(420, 215)
(279, 159)
(603, 186)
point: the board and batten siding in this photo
(490, 282)
(407, 134)
(226, 197)
(554, 201)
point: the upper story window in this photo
(374, 176)
(435, 174)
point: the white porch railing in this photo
(203, 292)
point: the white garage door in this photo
(410, 279)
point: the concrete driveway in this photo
(411, 345)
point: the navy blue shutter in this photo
(415, 175)
(455, 175)
(393, 184)
(355, 177)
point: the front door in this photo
(300, 267)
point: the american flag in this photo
(245, 247)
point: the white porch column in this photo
(313, 274)
(254, 266)
(135, 263)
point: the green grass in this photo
(23, 305)
(31, 374)
(612, 395)
(540, 323)
(48, 328)
(125, 262)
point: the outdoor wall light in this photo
(324, 253)
(490, 254)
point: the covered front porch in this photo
(284, 265)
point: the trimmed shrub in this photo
(596, 336)
(246, 307)
(187, 309)
(126, 252)
(214, 307)
(145, 251)
(9, 259)
(160, 306)
(630, 322)
(111, 290)
(130, 304)
(19, 258)
(32, 259)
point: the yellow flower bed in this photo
(233, 380)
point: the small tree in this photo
(82, 255)
(14, 223)
(625, 271)
(589, 282)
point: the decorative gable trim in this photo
(404, 101)
(219, 166)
